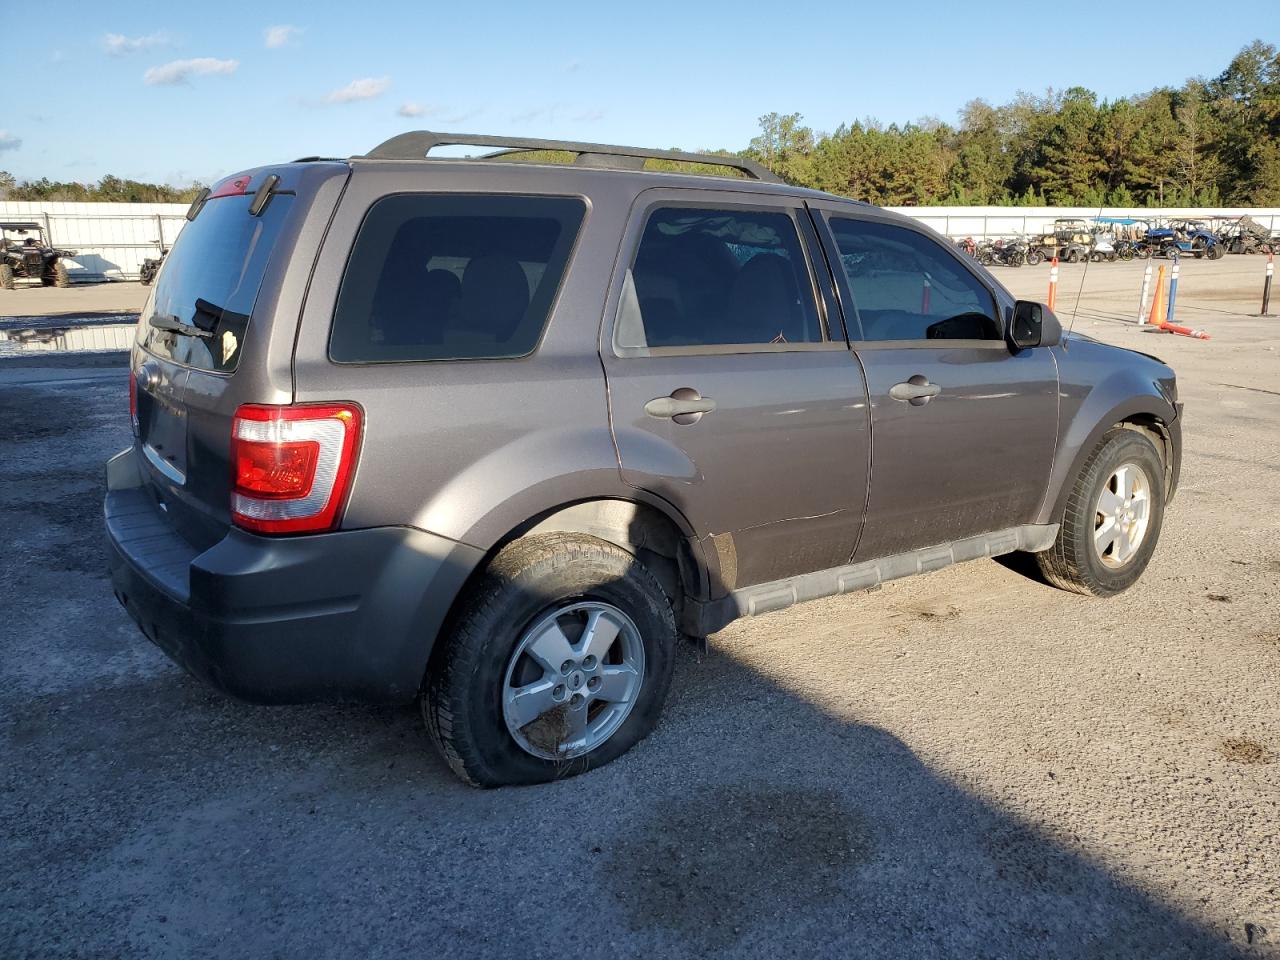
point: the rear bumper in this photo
(350, 615)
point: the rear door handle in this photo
(917, 390)
(685, 405)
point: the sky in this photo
(176, 92)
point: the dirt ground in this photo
(964, 765)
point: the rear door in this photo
(729, 395)
(964, 428)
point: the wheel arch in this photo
(1146, 415)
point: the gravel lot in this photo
(969, 764)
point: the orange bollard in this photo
(1157, 317)
(1053, 282)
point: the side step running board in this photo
(701, 619)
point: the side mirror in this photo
(1033, 325)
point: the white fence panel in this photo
(112, 239)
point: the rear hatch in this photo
(205, 333)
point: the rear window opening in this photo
(199, 310)
(458, 277)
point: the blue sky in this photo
(177, 91)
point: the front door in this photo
(964, 428)
(727, 395)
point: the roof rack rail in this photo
(416, 144)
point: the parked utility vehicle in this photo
(495, 432)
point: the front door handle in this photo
(918, 390)
(685, 405)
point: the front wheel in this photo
(60, 276)
(1035, 258)
(1112, 518)
(6, 277)
(559, 662)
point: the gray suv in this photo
(495, 432)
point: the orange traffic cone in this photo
(1185, 331)
(1157, 302)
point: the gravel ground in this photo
(966, 765)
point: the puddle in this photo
(85, 338)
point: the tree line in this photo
(1210, 142)
(109, 189)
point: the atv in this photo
(1181, 237)
(26, 255)
(1246, 235)
(150, 267)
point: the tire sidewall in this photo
(515, 605)
(1122, 446)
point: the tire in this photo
(1072, 256)
(473, 668)
(1144, 252)
(1074, 562)
(1034, 258)
(6, 277)
(1125, 254)
(60, 278)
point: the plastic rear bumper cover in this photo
(350, 615)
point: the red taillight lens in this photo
(292, 466)
(133, 399)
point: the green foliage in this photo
(109, 188)
(1207, 143)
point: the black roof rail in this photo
(417, 143)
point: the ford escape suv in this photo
(494, 432)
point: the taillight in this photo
(291, 467)
(133, 400)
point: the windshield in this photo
(200, 308)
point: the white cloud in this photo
(179, 71)
(9, 141)
(280, 35)
(118, 45)
(364, 89)
(411, 109)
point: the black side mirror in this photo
(1032, 325)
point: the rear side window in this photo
(909, 287)
(453, 277)
(199, 310)
(706, 277)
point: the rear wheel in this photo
(559, 662)
(1034, 257)
(1112, 518)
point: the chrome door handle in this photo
(917, 390)
(685, 405)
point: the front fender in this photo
(1127, 390)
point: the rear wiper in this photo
(172, 324)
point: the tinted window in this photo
(909, 287)
(436, 277)
(205, 292)
(717, 277)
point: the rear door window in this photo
(708, 277)
(907, 286)
(453, 277)
(199, 311)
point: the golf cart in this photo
(25, 254)
(1071, 241)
